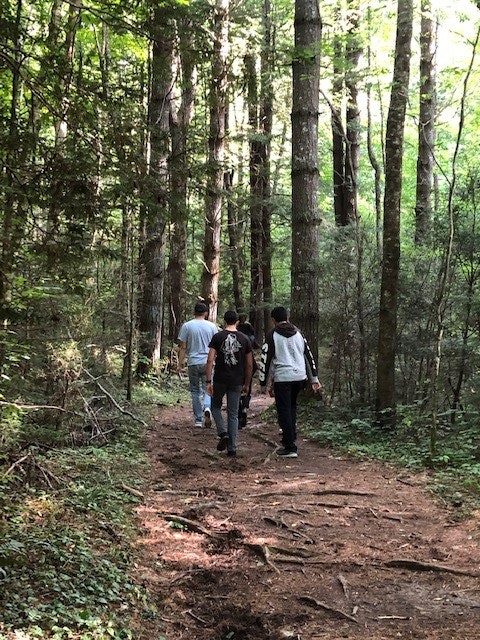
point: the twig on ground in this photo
(263, 551)
(190, 613)
(343, 582)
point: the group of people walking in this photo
(221, 364)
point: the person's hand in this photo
(209, 388)
(271, 392)
(317, 390)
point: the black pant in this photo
(286, 403)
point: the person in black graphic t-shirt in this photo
(231, 355)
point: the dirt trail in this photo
(321, 546)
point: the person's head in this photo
(230, 317)
(279, 314)
(200, 309)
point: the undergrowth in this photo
(454, 467)
(66, 529)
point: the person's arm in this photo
(182, 352)
(248, 372)
(212, 354)
(311, 368)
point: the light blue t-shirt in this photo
(196, 334)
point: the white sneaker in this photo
(207, 418)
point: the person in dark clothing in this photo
(246, 328)
(231, 354)
(286, 364)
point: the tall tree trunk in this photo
(216, 152)
(13, 213)
(352, 56)
(256, 195)
(236, 254)
(266, 123)
(305, 214)
(152, 254)
(387, 331)
(62, 91)
(426, 125)
(179, 169)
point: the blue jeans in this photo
(233, 393)
(200, 399)
(286, 404)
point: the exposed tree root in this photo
(322, 605)
(414, 565)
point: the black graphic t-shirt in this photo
(231, 348)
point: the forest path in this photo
(321, 546)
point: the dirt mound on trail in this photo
(258, 547)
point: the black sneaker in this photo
(286, 453)
(231, 454)
(242, 423)
(223, 442)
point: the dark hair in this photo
(279, 314)
(230, 317)
(200, 307)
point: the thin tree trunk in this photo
(305, 214)
(440, 299)
(338, 131)
(426, 126)
(387, 331)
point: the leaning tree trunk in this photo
(156, 193)
(216, 152)
(387, 330)
(305, 215)
(426, 125)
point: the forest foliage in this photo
(84, 217)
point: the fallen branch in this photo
(322, 605)
(113, 401)
(134, 492)
(414, 565)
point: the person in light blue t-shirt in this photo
(194, 338)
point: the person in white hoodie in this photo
(286, 364)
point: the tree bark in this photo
(387, 331)
(305, 214)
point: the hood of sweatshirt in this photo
(286, 329)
